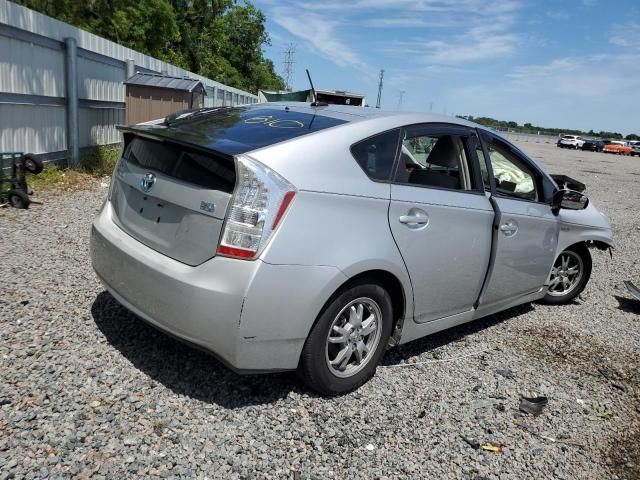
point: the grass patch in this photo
(95, 163)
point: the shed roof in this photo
(163, 81)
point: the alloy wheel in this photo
(353, 337)
(566, 274)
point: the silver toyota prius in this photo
(312, 238)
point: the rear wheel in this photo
(18, 199)
(348, 340)
(569, 275)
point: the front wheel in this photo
(348, 340)
(569, 275)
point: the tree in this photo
(219, 39)
(632, 136)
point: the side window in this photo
(435, 160)
(376, 154)
(513, 177)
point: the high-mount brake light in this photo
(260, 201)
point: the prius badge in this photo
(147, 181)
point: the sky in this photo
(553, 63)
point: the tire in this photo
(18, 199)
(32, 164)
(315, 367)
(560, 293)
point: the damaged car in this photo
(302, 237)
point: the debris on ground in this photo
(493, 447)
(472, 442)
(533, 406)
(551, 439)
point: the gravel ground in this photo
(88, 390)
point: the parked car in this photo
(635, 148)
(571, 141)
(593, 145)
(619, 147)
(291, 237)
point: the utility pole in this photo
(380, 88)
(400, 96)
(430, 107)
(288, 65)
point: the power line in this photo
(288, 65)
(380, 88)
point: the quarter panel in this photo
(347, 232)
(322, 162)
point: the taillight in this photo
(260, 200)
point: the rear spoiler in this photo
(159, 133)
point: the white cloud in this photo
(322, 34)
(593, 76)
(625, 35)
(459, 30)
(476, 44)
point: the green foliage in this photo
(95, 163)
(632, 136)
(99, 160)
(219, 39)
(529, 128)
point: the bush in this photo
(99, 160)
(95, 162)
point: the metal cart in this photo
(13, 180)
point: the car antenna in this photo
(315, 102)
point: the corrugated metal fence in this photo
(33, 89)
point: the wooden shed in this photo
(150, 96)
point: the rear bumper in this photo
(232, 308)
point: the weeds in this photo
(95, 162)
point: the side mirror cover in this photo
(569, 200)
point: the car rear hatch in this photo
(174, 184)
(172, 198)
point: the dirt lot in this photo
(87, 389)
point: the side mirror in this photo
(569, 200)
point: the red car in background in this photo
(621, 148)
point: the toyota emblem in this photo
(147, 181)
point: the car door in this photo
(527, 229)
(441, 219)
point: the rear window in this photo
(238, 130)
(209, 171)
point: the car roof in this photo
(354, 114)
(235, 130)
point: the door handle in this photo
(420, 220)
(415, 219)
